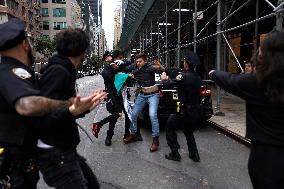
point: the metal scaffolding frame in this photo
(159, 17)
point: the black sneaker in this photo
(194, 155)
(108, 141)
(175, 156)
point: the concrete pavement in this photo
(223, 161)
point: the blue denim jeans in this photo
(140, 103)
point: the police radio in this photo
(2, 155)
(4, 179)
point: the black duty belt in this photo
(155, 92)
(191, 106)
(55, 152)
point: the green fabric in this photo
(119, 80)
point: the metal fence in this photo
(167, 29)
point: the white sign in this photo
(199, 15)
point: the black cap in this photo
(107, 53)
(11, 33)
(192, 59)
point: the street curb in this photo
(231, 134)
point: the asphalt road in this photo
(223, 161)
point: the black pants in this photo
(188, 123)
(266, 166)
(112, 119)
(23, 180)
(66, 169)
(20, 168)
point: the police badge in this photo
(21, 73)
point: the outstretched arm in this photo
(38, 105)
(158, 66)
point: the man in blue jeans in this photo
(144, 74)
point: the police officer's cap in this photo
(11, 33)
(192, 59)
(107, 53)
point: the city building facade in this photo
(58, 15)
(117, 25)
(28, 11)
(94, 8)
(102, 42)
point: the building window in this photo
(45, 25)
(30, 15)
(44, 1)
(44, 12)
(12, 4)
(59, 1)
(59, 12)
(31, 27)
(59, 25)
(30, 3)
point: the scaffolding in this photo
(221, 32)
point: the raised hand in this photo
(99, 96)
(81, 105)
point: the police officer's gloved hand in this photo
(119, 62)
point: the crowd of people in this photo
(38, 129)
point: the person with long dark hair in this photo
(264, 96)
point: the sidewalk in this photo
(234, 109)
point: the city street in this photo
(223, 161)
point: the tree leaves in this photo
(45, 46)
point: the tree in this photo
(116, 47)
(96, 62)
(45, 46)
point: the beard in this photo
(31, 57)
(82, 60)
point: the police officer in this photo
(189, 83)
(60, 164)
(19, 102)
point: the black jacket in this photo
(58, 81)
(264, 120)
(188, 87)
(145, 76)
(108, 75)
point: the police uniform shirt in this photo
(188, 84)
(16, 81)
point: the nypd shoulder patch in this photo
(179, 77)
(21, 73)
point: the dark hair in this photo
(141, 55)
(72, 42)
(117, 53)
(270, 66)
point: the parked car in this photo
(170, 104)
